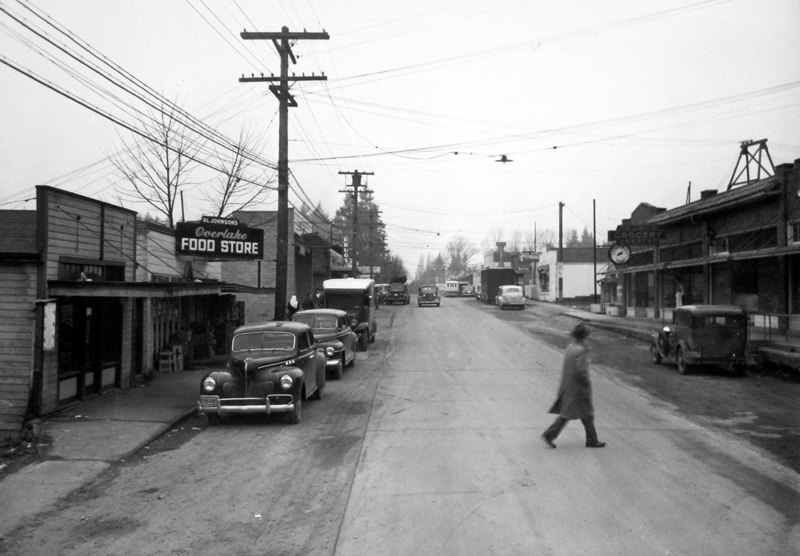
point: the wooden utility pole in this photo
(283, 44)
(560, 255)
(355, 185)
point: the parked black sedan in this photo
(333, 333)
(273, 368)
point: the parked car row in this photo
(276, 366)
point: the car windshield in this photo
(317, 322)
(263, 341)
(345, 302)
(427, 289)
(512, 289)
(396, 287)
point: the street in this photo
(430, 445)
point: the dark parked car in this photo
(428, 295)
(273, 368)
(333, 333)
(703, 335)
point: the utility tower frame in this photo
(355, 185)
(283, 44)
(744, 154)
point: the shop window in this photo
(793, 232)
(95, 271)
(718, 246)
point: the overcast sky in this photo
(616, 102)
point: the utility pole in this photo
(594, 246)
(283, 44)
(560, 258)
(355, 185)
(372, 215)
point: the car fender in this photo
(688, 354)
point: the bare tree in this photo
(158, 167)
(530, 241)
(459, 251)
(516, 242)
(242, 179)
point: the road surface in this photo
(430, 445)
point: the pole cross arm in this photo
(292, 36)
(273, 78)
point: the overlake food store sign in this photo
(219, 238)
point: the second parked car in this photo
(333, 333)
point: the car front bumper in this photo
(274, 403)
(334, 363)
(697, 358)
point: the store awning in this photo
(64, 288)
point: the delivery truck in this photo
(494, 277)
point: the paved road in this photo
(452, 463)
(429, 445)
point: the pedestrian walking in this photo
(291, 307)
(308, 303)
(574, 400)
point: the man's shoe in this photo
(548, 441)
(595, 444)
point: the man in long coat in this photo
(574, 399)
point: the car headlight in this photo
(209, 384)
(329, 351)
(286, 382)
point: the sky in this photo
(599, 105)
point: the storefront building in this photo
(740, 247)
(84, 308)
(253, 281)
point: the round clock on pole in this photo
(619, 254)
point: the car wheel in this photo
(739, 370)
(296, 415)
(655, 355)
(317, 395)
(683, 367)
(214, 419)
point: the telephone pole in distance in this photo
(283, 44)
(355, 185)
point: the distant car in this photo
(703, 335)
(273, 367)
(333, 333)
(467, 291)
(428, 295)
(509, 296)
(398, 293)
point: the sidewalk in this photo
(88, 437)
(639, 328)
